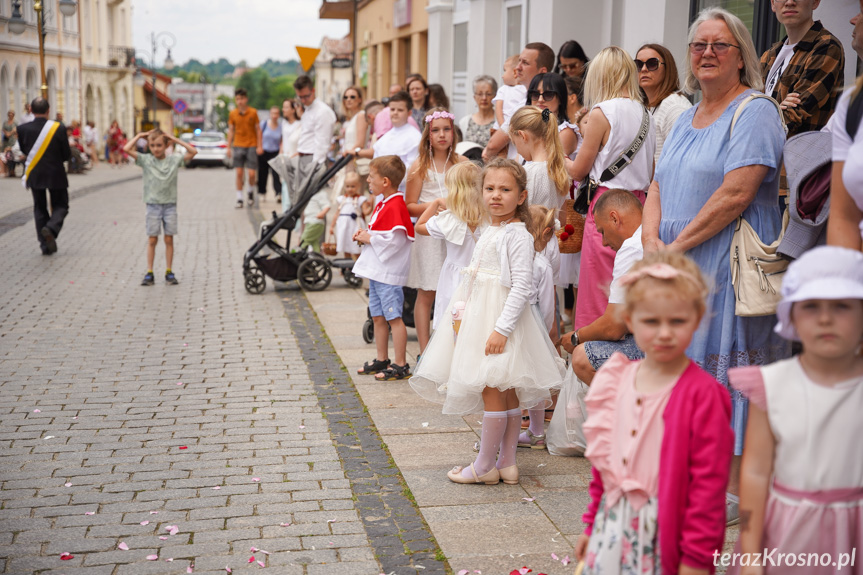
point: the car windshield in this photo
(208, 138)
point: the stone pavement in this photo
(189, 423)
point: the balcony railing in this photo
(121, 56)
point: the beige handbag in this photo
(756, 268)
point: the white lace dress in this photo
(349, 221)
(454, 371)
(427, 253)
(460, 242)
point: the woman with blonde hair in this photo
(614, 124)
(709, 175)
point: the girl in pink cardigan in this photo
(658, 435)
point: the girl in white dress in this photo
(502, 358)
(801, 481)
(425, 183)
(351, 216)
(459, 226)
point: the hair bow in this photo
(437, 115)
(546, 114)
(657, 271)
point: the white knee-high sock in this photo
(510, 439)
(537, 420)
(493, 428)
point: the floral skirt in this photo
(624, 541)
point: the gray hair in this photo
(750, 75)
(485, 79)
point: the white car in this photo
(212, 150)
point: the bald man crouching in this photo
(618, 219)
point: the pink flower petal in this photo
(76, 417)
(71, 282)
(554, 556)
(216, 488)
(185, 345)
(284, 524)
(228, 569)
(122, 546)
(145, 522)
(179, 383)
(463, 572)
(163, 538)
(37, 411)
(331, 520)
(183, 447)
(190, 568)
(169, 559)
(169, 527)
(66, 556)
(153, 512)
(528, 499)
(302, 427)
(252, 559)
(566, 561)
(174, 531)
(67, 484)
(256, 479)
(261, 563)
(253, 549)
(152, 557)
(264, 552)
(90, 513)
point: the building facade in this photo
(145, 99)
(333, 71)
(107, 63)
(20, 73)
(505, 26)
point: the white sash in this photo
(37, 150)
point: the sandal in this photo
(533, 441)
(394, 372)
(374, 366)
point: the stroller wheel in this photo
(314, 274)
(368, 331)
(351, 279)
(256, 283)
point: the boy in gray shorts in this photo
(160, 194)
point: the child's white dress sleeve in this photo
(446, 226)
(543, 289)
(388, 244)
(516, 262)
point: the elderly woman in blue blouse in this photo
(705, 178)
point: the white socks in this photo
(494, 424)
(509, 445)
(240, 195)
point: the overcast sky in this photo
(251, 30)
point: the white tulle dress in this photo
(454, 371)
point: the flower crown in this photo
(437, 115)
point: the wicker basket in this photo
(329, 248)
(570, 234)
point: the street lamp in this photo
(168, 41)
(17, 25)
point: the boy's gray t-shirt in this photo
(160, 177)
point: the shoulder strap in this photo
(625, 158)
(748, 99)
(855, 114)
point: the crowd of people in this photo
(723, 374)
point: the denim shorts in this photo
(159, 215)
(245, 158)
(386, 300)
(598, 352)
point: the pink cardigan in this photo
(693, 473)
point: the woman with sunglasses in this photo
(707, 176)
(571, 60)
(548, 91)
(355, 126)
(657, 77)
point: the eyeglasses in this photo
(351, 97)
(483, 94)
(547, 96)
(719, 48)
(652, 64)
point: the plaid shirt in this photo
(816, 72)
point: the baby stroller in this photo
(311, 270)
(407, 315)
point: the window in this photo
(514, 30)
(459, 51)
(756, 15)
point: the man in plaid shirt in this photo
(805, 71)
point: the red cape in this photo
(392, 214)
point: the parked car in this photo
(212, 150)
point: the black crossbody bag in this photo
(588, 186)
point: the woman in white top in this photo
(291, 111)
(845, 224)
(658, 78)
(476, 127)
(355, 125)
(612, 94)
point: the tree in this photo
(282, 89)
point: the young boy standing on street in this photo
(160, 194)
(385, 260)
(245, 144)
(402, 140)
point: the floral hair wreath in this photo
(438, 115)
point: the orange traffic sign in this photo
(307, 56)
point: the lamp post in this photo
(168, 41)
(17, 25)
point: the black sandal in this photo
(374, 366)
(394, 372)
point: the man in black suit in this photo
(47, 173)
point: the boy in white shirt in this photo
(401, 140)
(385, 260)
(509, 98)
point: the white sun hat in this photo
(825, 272)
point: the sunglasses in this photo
(718, 47)
(652, 64)
(547, 96)
(351, 97)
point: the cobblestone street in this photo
(149, 429)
